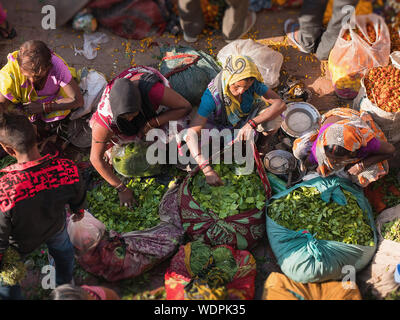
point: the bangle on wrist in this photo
(121, 187)
(46, 108)
(158, 122)
(148, 124)
(204, 164)
(252, 123)
(207, 170)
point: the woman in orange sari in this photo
(348, 144)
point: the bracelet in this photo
(46, 108)
(204, 164)
(148, 124)
(121, 187)
(158, 122)
(252, 124)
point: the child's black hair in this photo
(17, 131)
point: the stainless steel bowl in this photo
(279, 161)
(299, 118)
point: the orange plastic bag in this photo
(355, 52)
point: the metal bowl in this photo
(299, 118)
(279, 162)
(79, 133)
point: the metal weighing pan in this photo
(280, 162)
(299, 118)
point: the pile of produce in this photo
(13, 270)
(391, 230)
(370, 32)
(130, 161)
(383, 87)
(5, 162)
(384, 193)
(104, 204)
(238, 194)
(303, 209)
(204, 259)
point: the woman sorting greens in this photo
(39, 83)
(136, 101)
(348, 144)
(236, 98)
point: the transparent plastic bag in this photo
(268, 61)
(90, 43)
(349, 60)
(86, 233)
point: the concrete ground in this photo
(119, 53)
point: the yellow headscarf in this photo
(237, 68)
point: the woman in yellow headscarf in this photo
(39, 83)
(236, 98)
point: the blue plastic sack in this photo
(305, 259)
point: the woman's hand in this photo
(212, 177)
(33, 107)
(356, 169)
(245, 133)
(77, 216)
(126, 198)
(143, 131)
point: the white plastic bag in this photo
(379, 275)
(86, 233)
(92, 84)
(268, 61)
(90, 43)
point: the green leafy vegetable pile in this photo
(391, 230)
(5, 162)
(104, 204)
(303, 208)
(13, 270)
(132, 162)
(208, 262)
(238, 194)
